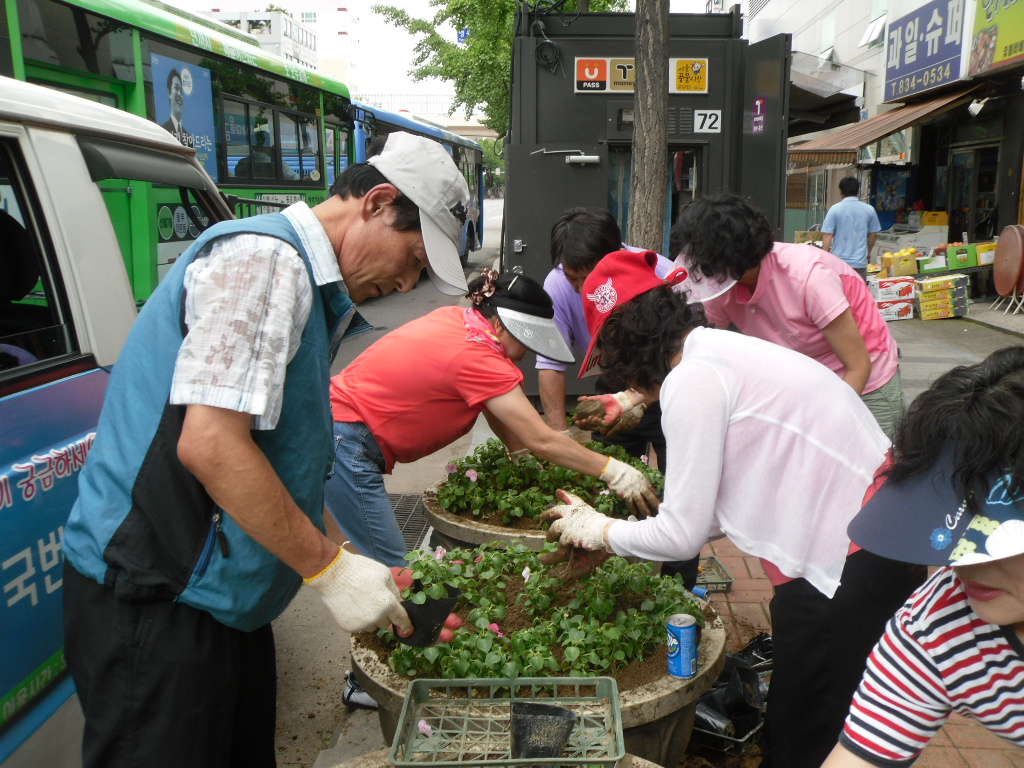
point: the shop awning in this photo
(821, 93)
(840, 147)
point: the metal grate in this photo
(411, 516)
(680, 121)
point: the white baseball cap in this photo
(425, 173)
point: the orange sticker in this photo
(591, 74)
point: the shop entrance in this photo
(972, 193)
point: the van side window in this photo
(32, 321)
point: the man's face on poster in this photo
(176, 96)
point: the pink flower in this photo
(472, 475)
(495, 629)
(439, 553)
(424, 727)
(451, 468)
(458, 562)
(478, 558)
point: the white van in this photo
(65, 310)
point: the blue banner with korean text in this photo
(45, 436)
(923, 49)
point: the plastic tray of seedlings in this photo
(713, 576)
(560, 722)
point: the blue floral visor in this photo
(922, 520)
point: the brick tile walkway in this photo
(962, 743)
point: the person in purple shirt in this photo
(580, 238)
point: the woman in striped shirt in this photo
(953, 497)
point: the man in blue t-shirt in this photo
(850, 227)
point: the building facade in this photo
(941, 91)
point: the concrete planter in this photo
(657, 718)
(459, 531)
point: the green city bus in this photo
(268, 131)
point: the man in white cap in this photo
(200, 507)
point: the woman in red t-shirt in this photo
(422, 386)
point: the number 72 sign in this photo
(707, 121)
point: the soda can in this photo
(700, 592)
(682, 645)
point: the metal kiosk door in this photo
(765, 114)
(542, 176)
(539, 174)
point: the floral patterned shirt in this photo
(247, 299)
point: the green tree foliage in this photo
(480, 67)
(494, 157)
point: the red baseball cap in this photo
(618, 278)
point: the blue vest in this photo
(143, 525)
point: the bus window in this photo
(100, 98)
(31, 327)
(54, 33)
(343, 149)
(236, 134)
(300, 149)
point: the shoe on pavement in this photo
(354, 696)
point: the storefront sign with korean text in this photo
(923, 49)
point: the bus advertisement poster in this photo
(187, 110)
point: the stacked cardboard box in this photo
(944, 296)
(899, 264)
(894, 296)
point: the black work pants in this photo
(820, 650)
(165, 685)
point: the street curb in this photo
(994, 327)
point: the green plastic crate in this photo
(713, 575)
(469, 722)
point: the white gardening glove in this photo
(361, 594)
(632, 485)
(574, 523)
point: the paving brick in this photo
(991, 758)
(940, 757)
(735, 565)
(973, 736)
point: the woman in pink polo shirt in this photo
(797, 296)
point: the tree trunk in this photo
(648, 183)
(583, 6)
